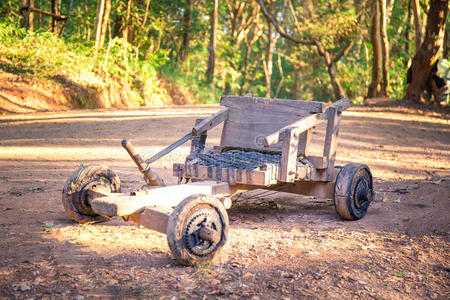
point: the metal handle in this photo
(150, 177)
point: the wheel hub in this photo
(362, 193)
(205, 219)
(91, 191)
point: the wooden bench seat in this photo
(276, 126)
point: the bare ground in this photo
(281, 246)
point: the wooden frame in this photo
(153, 206)
(294, 139)
(264, 145)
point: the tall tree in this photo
(123, 23)
(55, 11)
(268, 59)
(330, 59)
(417, 22)
(214, 18)
(101, 23)
(377, 58)
(429, 52)
(27, 14)
(384, 48)
(241, 51)
(187, 22)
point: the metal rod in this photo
(170, 148)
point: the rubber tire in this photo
(177, 224)
(76, 207)
(344, 191)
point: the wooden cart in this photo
(264, 145)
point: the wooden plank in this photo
(154, 218)
(275, 104)
(118, 204)
(266, 177)
(321, 189)
(303, 146)
(198, 141)
(248, 124)
(331, 136)
(297, 127)
(288, 168)
(341, 104)
(319, 162)
(247, 129)
(211, 121)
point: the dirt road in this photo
(280, 247)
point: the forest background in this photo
(129, 53)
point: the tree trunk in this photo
(384, 48)
(55, 11)
(101, 24)
(268, 62)
(377, 61)
(338, 91)
(417, 23)
(128, 31)
(105, 23)
(244, 67)
(212, 42)
(330, 62)
(98, 22)
(296, 90)
(407, 35)
(26, 14)
(31, 16)
(187, 20)
(428, 54)
(446, 43)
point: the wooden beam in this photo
(331, 136)
(119, 204)
(319, 162)
(211, 122)
(303, 147)
(289, 154)
(321, 189)
(231, 176)
(341, 105)
(297, 127)
(246, 101)
(198, 141)
(154, 218)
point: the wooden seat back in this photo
(251, 119)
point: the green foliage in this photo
(44, 56)
(190, 76)
(155, 44)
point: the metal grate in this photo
(236, 159)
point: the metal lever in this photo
(150, 177)
(170, 148)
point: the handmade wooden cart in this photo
(264, 145)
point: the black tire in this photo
(353, 191)
(74, 196)
(185, 223)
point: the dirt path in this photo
(281, 246)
